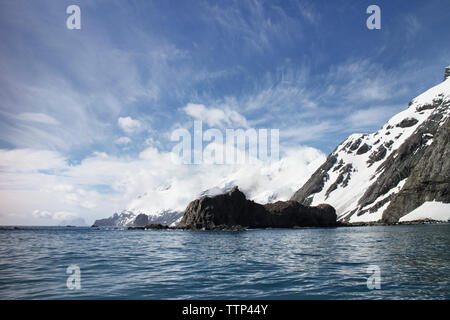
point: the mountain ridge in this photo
(367, 177)
(128, 218)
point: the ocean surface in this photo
(413, 263)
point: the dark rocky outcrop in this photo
(377, 155)
(447, 73)
(363, 149)
(287, 214)
(151, 227)
(429, 178)
(232, 209)
(141, 220)
(355, 145)
(408, 122)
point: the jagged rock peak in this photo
(447, 73)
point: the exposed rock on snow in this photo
(407, 122)
(447, 73)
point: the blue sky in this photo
(123, 82)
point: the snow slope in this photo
(429, 210)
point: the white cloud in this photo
(215, 117)
(129, 125)
(174, 186)
(42, 214)
(29, 160)
(63, 215)
(122, 141)
(166, 185)
(59, 218)
(63, 187)
(88, 204)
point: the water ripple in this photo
(256, 264)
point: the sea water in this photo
(404, 262)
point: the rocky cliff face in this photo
(387, 174)
(232, 209)
(429, 179)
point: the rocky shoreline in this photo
(338, 225)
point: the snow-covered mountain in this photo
(401, 168)
(131, 219)
(261, 182)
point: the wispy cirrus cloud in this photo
(412, 26)
(259, 25)
(80, 80)
(37, 117)
(373, 116)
